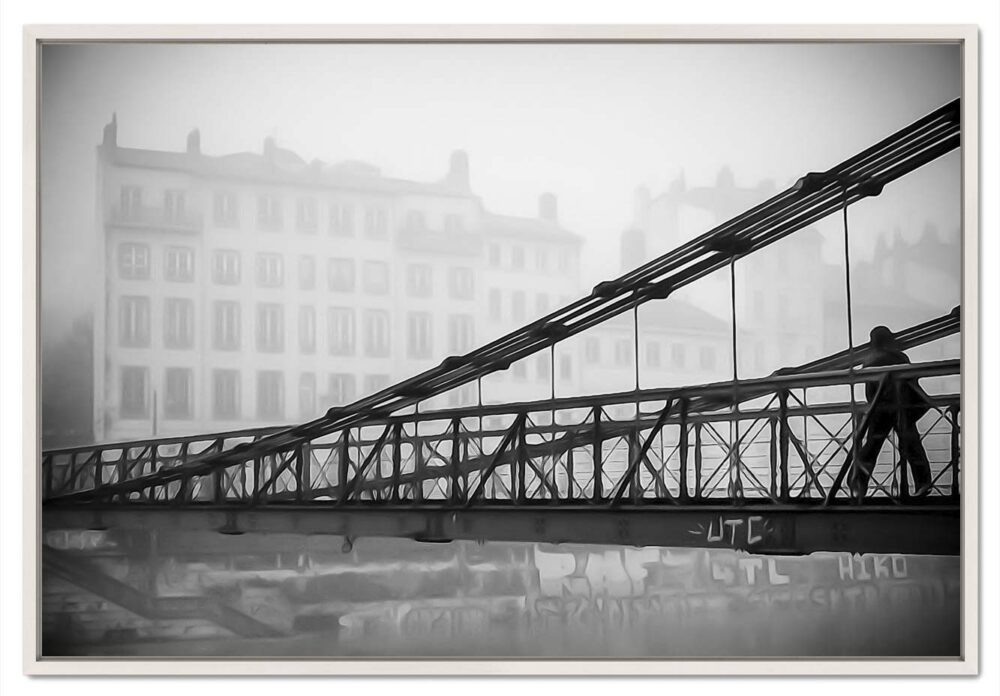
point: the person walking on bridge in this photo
(900, 405)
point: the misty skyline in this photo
(589, 123)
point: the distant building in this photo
(904, 283)
(779, 294)
(255, 289)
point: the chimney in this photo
(458, 170)
(111, 132)
(194, 142)
(547, 208)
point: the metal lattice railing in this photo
(791, 443)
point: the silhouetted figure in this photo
(899, 407)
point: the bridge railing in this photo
(790, 442)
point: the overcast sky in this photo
(588, 122)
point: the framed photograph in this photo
(520, 349)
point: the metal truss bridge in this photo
(754, 464)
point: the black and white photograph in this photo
(502, 349)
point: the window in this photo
(517, 258)
(178, 398)
(341, 389)
(307, 273)
(340, 275)
(542, 304)
(268, 213)
(178, 323)
(418, 280)
(341, 220)
(565, 367)
(226, 212)
(494, 255)
(341, 330)
(131, 202)
(270, 328)
(542, 260)
(133, 261)
(178, 264)
(460, 283)
(173, 205)
(226, 267)
(460, 333)
(677, 355)
(307, 395)
(653, 354)
(376, 222)
(270, 395)
(226, 394)
(415, 221)
(305, 215)
(375, 277)
(270, 270)
(496, 304)
(418, 335)
(592, 350)
(623, 352)
(134, 322)
(517, 309)
(706, 357)
(375, 383)
(542, 365)
(377, 333)
(226, 325)
(133, 394)
(453, 223)
(307, 329)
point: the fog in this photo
(184, 291)
(587, 122)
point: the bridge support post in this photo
(955, 450)
(343, 463)
(397, 461)
(783, 443)
(635, 466)
(682, 447)
(598, 455)
(904, 478)
(697, 462)
(302, 473)
(521, 459)
(456, 471)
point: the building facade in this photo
(259, 289)
(779, 291)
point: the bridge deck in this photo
(927, 528)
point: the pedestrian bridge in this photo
(752, 464)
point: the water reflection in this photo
(189, 593)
